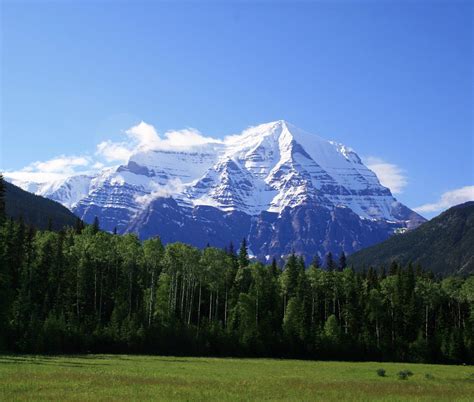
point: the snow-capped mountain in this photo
(280, 187)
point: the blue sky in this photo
(392, 79)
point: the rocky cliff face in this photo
(308, 229)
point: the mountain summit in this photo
(278, 186)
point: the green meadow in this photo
(140, 378)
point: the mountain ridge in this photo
(35, 210)
(444, 244)
(266, 171)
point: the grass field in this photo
(139, 378)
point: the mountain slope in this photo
(35, 210)
(444, 245)
(290, 190)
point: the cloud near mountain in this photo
(448, 199)
(389, 174)
(144, 137)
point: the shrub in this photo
(404, 374)
(381, 372)
(429, 376)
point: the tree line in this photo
(82, 290)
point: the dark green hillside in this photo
(444, 245)
(36, 210)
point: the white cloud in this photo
(172, 187)
(53, 169)
(21, 176)
(144, 135)
(141, 137)
(59, 164)
(449, 199)
(113, 151)
(187, 138)
(98, 165)
(389, 174)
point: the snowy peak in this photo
(168, 164)
(269, 167)
(289, 166)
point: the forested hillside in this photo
(40, 212)
(89, 291)
(445, 244)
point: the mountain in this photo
(35, 210)
(445, 244)
(280, 187)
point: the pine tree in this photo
(372, 278)
(342, 261)
(79, 226)
(290, 276)
(2, 199)
(316, 262)
(243, 254)
(231, 249)
(274, 268)
(301, 263)
(393, 270)
(7, 249)
(95, 225)
(330, 264)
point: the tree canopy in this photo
(82, 290)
